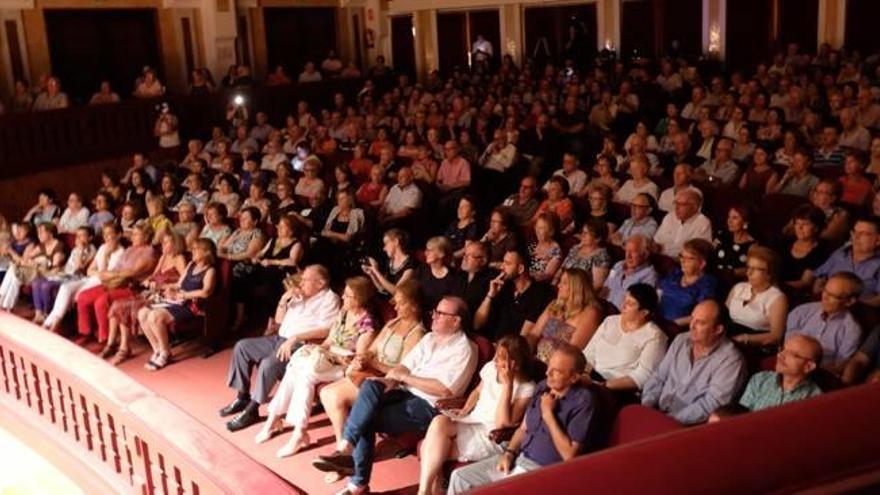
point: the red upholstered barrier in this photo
(830, 441)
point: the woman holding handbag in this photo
(312, 364)
(45, 256)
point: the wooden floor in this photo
(198, 386)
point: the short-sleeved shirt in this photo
(614, 353)
(677, 301)
(510, 311)
(765, 390)
(867, 270)
(451, 363)
(490, 396)
(839, 334)
(400, 199)
(454, 171)
(573, 412)
(752, 310)
(618, 280)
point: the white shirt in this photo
(112, 262)
(672, 233)
(755, 313)
(71, 221)
(306, 315)
(490, 395)
(451, 363)
(628, 191)
(500, 161)
(667, 197)
(614, 353)
(270, 162)
(577, 180)
(399, 199)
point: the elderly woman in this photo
(102, 214)
(45, 256)
(640, 183)
(216, 230)
(689, 284)
(242, 247)
(226, 193)
(628, 347)
(136, 264)
(805, 252)
(351, 334)
(310, 182)
(757, 307)
(437, 277)
(399, 267)
(195, 193)
(599, 197)
(107, 258)
(124, 312)
(76, 215)
(180, 303)
(572, 318)
(499, 401)
(343, 226)
(464, 228)
(590, 254)
(640, 221)
(44, 287)
(825, 196)
(558, 202)
(257, 199)
(632, 269)
(285, 203)
(732, 244)
(797, 180)
(187, 227)
(545, 255)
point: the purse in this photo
(315, 357)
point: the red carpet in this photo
(198, 387)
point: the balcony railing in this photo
(106, 431)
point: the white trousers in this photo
(9, 289)
(296, 392)
(66, 296)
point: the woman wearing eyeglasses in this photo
(757, 307)
(689, 284)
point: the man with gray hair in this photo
(634, 268)
(685, 222)
(305, 312)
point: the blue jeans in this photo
(395, 412)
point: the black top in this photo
(435, 289)
(476, 288)
(728, 254)
(793, 268)
(509, 311)
(457, 237)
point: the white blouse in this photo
(614, 353)
(752, 313)
(490, 395)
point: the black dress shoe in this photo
(335, 462)
(236, 407)
(244, 419)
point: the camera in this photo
(163, 107)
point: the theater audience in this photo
(791, 381)
(682, 224)
(688, 284)
(634, 268)
(757, 307)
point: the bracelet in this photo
(510, 451)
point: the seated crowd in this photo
(398, 241)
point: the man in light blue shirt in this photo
(632, 269)
(829, 321)
(860, 257)
(701, 371)
(790, 381)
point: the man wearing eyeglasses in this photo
(523, 203)
(682, 224)
(440, 366)
(791, 381)
(860, 256)
(830, 322)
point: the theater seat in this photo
(214, 311)
(638, 422)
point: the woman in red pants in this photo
(93, 304)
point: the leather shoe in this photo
(236, 407)
(244, 419)
(334, 462)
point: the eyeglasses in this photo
(634, 205)
(839, 297)
(753, 268)
(787, 353)
(684, 257)
(437, 313)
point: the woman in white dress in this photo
(757, 307)
(628, 347)
(311, 364)
(499, 401)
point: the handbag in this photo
(315, 358)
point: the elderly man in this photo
(440, 366)
(556, 427)
(720, 170)
(791, 381)
(682, 175)
(634, 268)
(701, 371)
(829, 153)
(455, 171)
(403, 199)
(829, 321)
(571, 172)
(500, 154)
(852, 134)
(523, 204)
(514, 301)
(51, 99)
(860, 257)
(685, 222)
(478, 275)
(304, 313)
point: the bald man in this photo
(791, 381)
(683, 223)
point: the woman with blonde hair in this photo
(350, 335)
(572, 318)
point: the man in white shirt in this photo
(482, 49)
(571, 171)
(440, 366)
(685, 222)
(403, 198)
(305, 313)
(681, 181)
(500, 154)
(721, 169)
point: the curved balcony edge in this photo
(134, 440)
